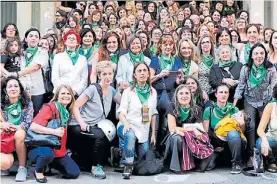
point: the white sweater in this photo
(64, 72)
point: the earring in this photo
(6, 97)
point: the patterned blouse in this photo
(203, 77)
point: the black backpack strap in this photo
(100, 92)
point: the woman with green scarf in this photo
(226, 71)
(61, 105)
(256, 83)
(87, 45)
(126, 62)
(16, 115)
(183, 116)
(213, 116)
(137, 112)
(156, 34)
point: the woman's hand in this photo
(59, 132)
(180, 77)
(153, 139)
(5, 126)
(217, 126)
(127, 127)
(229, 81)
(164, 73)
(179, 132)
(239, 118)
(265, 147)
(83, 127)
(205, 96)
(123, 85)
(197, 133)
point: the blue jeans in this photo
(236, 145)
(272, 144)
(43, 156)
(128, 143)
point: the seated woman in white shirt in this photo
(136, 112)
(69, 67)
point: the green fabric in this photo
(14, 113)
(64, 114)
(167, 63)
(225, 63)
(208, 61)
(136, 58)
(74, 55)
(186, 68)
(143, 92)
(273, 100)
(114, 57)
(229, 109)
(247, 49)
(31, 51)
(86, 52)
(184, 112)
(153, 50)
(96, 45)
(52, 57)
(257, 75)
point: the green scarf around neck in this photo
(153, 49)
(166, 62)
(186, 67)
(247, 48)
(31, 52)
(225, 63)
(14, 113)
(223, 112)
(184, 112)
(257, 75)
(86, 52)
(74, 55)
(208, 61)
(143, 92)
(96, 45)
(136, 58)
(64, 114)
(273, 100)
(114, 57)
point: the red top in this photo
(43, 117)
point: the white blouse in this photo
(64, 72)
(131, 107)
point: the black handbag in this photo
(48, 85)
(34, 139)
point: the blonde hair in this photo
(200, 52)
(56, 96)
(192, 56)
(102, 65)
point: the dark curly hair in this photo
(25, 100)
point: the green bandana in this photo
(184, 112)
(114, 57)
(86, 52)
(180, 25)
(223, 112)
(167, 63)
(96, 45)
(74, 55)
(14, 113)
(247, 49)
(136, 58)
(52, 57)
(143, 92)
(153, 50)
(208, 61)
(186, 64)
(225, 63)
(64, 114)
(257, 75)
(31, 52)
(273, 100)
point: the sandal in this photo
(272, 168)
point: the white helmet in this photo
(108, 128)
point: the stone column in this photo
(47, 16)
(273, 14)
(256, 10)
(24, 17)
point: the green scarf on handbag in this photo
(186, 68)
(64, 114)
(86, 52)
(166, 62)
(184, 112)
(247, 48)
(114, 57)
(136, 58)
(14, 113)
(225, 63)
(153, 49)
(223, 112)
(74, 55)
(143, 92)
(257, 75)
(208, 61)
(32, 52)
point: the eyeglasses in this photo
(71, 38)
(157, 34)
(206, 42)
(11, 29)
(81, 4)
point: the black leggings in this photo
(87, 150)
(38, 101)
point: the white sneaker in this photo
(5, 172)
(21, 174)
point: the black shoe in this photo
(128, 170)
(116, 154)
(40, 180)
(236, 169)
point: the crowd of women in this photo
(164, 74)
